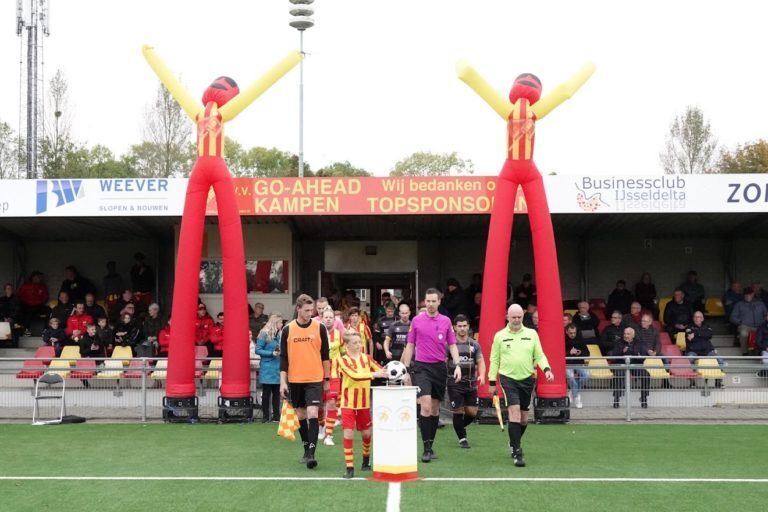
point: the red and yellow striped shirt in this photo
(365, 335)
(520, 131)
(335, 351)
(356, 381)
(210, 132)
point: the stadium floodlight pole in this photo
(301, 21)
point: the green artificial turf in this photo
(208, 450)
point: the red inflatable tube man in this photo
(524, 108)
(222, 101)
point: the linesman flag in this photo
(497, 406)
(288, 422)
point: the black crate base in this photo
(551, 410)
(180, 410)
(235, 410)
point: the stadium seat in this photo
(709, 368)
(594, 350)
(5, 331)
(112, 370)
(680, 341)
(599, 314)
(603, 325)
(86, 369)
(31, 370)
(213, 372)
(714, 307)
(664, 338)
(137, 371)
(683, 369)
(123, 353)
(70, 352)
(597, 303)
(160, 372)
(656, 325)
(571, 312)
(53, 303)
(60, 367)
(655, 368)
(662, 306)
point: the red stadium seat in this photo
(599, 313)
(752, 342)
(603, 325)
(684, 368)
(134, 370)
(597, 303)
(34, 369)
(84, 369)
(664, 338)
(657, 325)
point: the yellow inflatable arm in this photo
(257, 88)
(187, 102)
(562, 92)
(472, 78)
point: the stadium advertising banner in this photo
(135, 197)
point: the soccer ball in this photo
(395, 371)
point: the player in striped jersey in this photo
(357, 370)
(336, 349)
(356, 324)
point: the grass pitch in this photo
(218, 454)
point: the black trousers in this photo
(270, 395)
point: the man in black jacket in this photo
(613, 334)
(577, 376)
(630, 347)
(678, 314)
(620, 298)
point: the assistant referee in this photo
(515, 351)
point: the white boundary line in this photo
(435, 479)
(393, 497)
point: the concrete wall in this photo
(391, 256)
(750, 260)
(8, 272)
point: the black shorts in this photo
(430, 379)
(517, 392)
(306, 394)
(462, 395)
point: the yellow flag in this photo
(497, 406)
(288, 422)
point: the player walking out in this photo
(336, 349)
(396, 337)
(357, 370)
(430, 333)
(463, 394)
(515, 350)
(305, 372)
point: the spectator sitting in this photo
(577, 377)
(203, 325)
(454, 300)
(747, 315)
(528, 316)
(647, 341)
(113, 284)
(733, 295)
(33, 298)
(54, 335)
(9, 312)
(630, 347)
(92, 308)
(151, 327)
(259, 319)
(125, 299)
(694, 291)
(620, 298)
(164, 339)
(535, 320)
(762, 345)
(698, 341)
(63, 309)
(678, 314)
(90, 344)
(633, 318)
(525, 292)
(142, 279)
(75, 285)
(645, 294)
(567, 319)
(127, 332)
(216, 342)
(77, 322)
(106, 335)
(613, 334)
(586, 322)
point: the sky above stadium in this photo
(380, 77)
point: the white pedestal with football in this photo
(394, 433)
